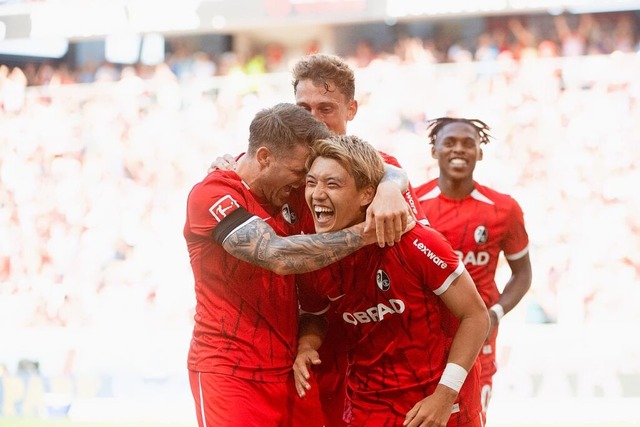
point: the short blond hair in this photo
(357, 156)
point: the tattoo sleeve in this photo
(257, 243)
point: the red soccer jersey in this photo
(246, 319)
(392, 317)
(479, 227)
(410, 194)
(331, 372)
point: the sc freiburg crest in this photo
(383, 281)
(481, 234)
(288, 214)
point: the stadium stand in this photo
(96, 295)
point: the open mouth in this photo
(458, 162)
(323, 214)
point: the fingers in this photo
(389, 230)
(399, 225)
(301, 386)
(301, 373)
(411, 415)
(382, 233)
(300, 377)
(226, 162)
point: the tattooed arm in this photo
(257, 243)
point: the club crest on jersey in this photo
(288, 214)
(481, 234)
(223, 207)
(383, 281)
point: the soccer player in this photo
(325, 85)
(479, 223)
(246, 323)
(403, 367)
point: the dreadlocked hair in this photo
(434, 126)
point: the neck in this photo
(455, 189)
(248, 169)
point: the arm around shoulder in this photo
(257, 243)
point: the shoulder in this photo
(426, 249)
(224, 187)
(495, 197)
(219, 182)
(426, 191)
(422, 238)
(389, 159)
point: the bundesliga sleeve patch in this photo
(223, 207)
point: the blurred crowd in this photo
(94, 176)
(512, 37)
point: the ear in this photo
(352, 109)
(366, 196)
(480, 154)
(433, 151)
(264, 156)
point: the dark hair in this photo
(282, 127)
(323, 68)
(434, 126)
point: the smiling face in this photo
(327, 104)
(457, 149)
(280, 174)
(333, 197)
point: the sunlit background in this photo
(110, 111)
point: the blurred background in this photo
(110, 111)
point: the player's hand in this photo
(306, 357)
(433, 410)
(388, 214)
(225, 163)
(370, 235)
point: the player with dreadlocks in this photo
(479, 222)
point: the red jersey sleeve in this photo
(213, 201)
(410, 195)
(435, 259)
(516, 239)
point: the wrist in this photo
(390, 185)
(309, 340)
(453, 376)
(498, 310)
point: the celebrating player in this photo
(246, 322)
(404, 368)
(479, 223)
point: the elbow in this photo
(486, 322)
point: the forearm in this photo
(515, 289)
(312, 330)
(469, 339)
(518, 284)
(258, 244)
